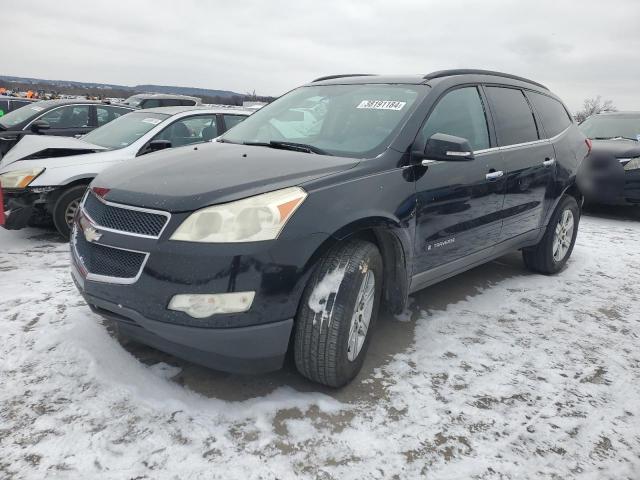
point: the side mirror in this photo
(156, 145)
(40, 126)
(447, 148)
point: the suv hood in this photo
(621, 148)
(32, 147)
(188, 178)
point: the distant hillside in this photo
(197, 92)
(109, 86)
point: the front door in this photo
(69, 120)
(459, 203)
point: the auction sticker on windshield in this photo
(152, 121)
(382, 104)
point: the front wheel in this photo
(553, 251)
(338, 309)
(65, 208)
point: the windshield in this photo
(345, 120)
(612, 126)
(20, 115)
(124, 130)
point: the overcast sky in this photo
(577, 48)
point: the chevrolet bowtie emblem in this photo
(91, 234)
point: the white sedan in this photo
(44, 177)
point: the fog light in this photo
(205, 305)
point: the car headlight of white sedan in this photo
(19, 178)
(258, 218)
(630, 163)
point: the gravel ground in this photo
(494, 374)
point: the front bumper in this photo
(252, 341)
(254, 349)
(18, 206)
(613, 186)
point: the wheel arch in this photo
(572, 189)
(393, 243)
(73, 182)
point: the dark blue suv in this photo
(350, 192)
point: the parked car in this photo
(9, 104)
(45, 177)
(222, 254)
(55, 117)
(614, 163)
(153, 100)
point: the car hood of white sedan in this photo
(39, 147)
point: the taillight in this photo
(589, 144)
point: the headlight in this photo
(630, 163)
(19, 178)
(252, 219)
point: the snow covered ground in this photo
(494, 374)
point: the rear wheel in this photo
(65, 208)
(338, 309)
(553, 251)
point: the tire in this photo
(546, 257)
(65, 207)
(326, 349)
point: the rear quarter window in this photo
(514, 119)
(552, 113)
(4, 107)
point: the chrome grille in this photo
(123, 218)
(120, 266)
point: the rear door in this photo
(459, 202)
(529, 160)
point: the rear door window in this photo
(171, 102)
(459, 113)
(232, 120)
(107, 113)
(513, 116)
(551, 112)
(150, 103)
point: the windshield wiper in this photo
(296, 147)
(224, 140)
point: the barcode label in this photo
(382, 104)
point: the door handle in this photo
(494, 175)
(548, 162)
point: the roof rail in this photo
(471, 71)
(331, 77)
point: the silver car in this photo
(43, 178)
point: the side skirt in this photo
(438, 274)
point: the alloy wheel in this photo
(563, 235)
(361, 316)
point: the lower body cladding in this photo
(132, 281)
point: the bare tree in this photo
(594, 105)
